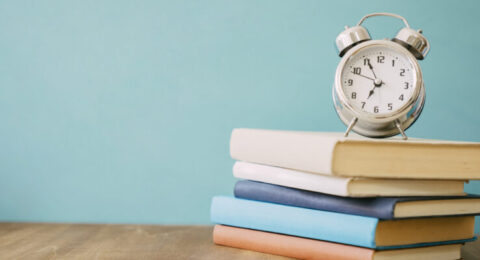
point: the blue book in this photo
(377, 207)
(341, 228)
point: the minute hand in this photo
(371, 68)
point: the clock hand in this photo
(371, 92)
(365, 76)
(371, 68)
(376, 84)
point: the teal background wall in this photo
(121, 111)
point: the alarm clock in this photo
(378, 89)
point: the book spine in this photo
(316, 224)
(295, 179)
(304, 151)
(289, 246)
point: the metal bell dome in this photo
(350, 37)
(414, 41)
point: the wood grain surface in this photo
(95, 241)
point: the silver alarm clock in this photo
(378, 89)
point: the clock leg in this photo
(397, 124)
(351, 125)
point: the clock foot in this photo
(351, 125)
(397, 124)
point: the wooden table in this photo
(88, 241)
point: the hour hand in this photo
(370, 93)
(376, 84)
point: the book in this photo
(355, 156)
(346, 186)
(304, 248)
(377, 207)
(341, 228)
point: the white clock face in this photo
(378, 80)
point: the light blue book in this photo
(341, 228)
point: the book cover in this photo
(304, 248)
(346, 186)
(377, 207)
(342, 228)
(331, 153)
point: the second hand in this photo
(365, 76)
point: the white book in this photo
(346, 186)
(333, 154)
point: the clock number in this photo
(350, 82)
(393, 63)
(354, 95)
(380, 59)
(357, 70)
(363, 104)
(406, 85)
(366, 61)
(390, 106)
(402, 72)
(401, 97)
(375, 109)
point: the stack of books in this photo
(313, 195)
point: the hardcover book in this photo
(377, 207)
(304, 248)
(341, 228)
(346, 186)
(331, 153)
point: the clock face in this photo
(378, 80)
